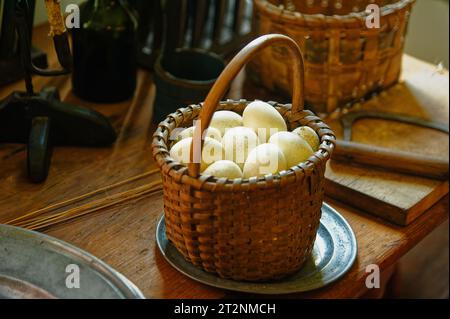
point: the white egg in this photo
(264, 119)
(212, 152)
(211, 132)
(295, 149)
(309, 135)
(225, 119)
(224, 168)
(264, 159)
(238, 142)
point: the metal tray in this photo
(33, 265)
(334, 253)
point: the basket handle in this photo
(220, 87)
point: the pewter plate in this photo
(33, 265)
(334, 253)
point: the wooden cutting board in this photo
(398, 198)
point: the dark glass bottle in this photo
(105, 52)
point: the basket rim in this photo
(280, 13)
(179, 172)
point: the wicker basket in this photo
(244, 229)
(344, 60)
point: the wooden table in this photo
(124, 235)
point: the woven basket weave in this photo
(344, 60)
(244, 229)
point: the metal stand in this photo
(10, 64)
(41, 120)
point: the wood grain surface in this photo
(124, 235)
(397, 197)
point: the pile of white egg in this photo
(252, 145)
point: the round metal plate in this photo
(33, 265)
(334, 253)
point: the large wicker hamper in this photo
(244, 229)
(345, 61)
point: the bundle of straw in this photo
(49, 216)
